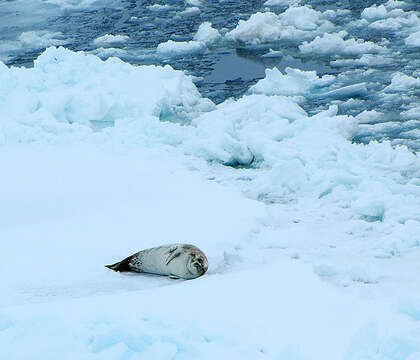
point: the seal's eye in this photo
(200, 260)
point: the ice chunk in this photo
(402, 82)
(41, 39)
(86, 89)
(281, 2)
(110, 39)
(191, 11)
(335, 44)
(272, 54)
(294, 82)
(177, 48)
(158, 7)
(413, 39)
(194, 2)
(207, 34)
(295, 24)
(375, 13)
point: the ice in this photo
(295, 24)
(158, 7)
(413, 39)
(272, 54)
(88, 96)
(82, 4)
(109, 39)
(402, 82)
(177, 48)
(105, 53)
(194, 2)
(41, 39)
(207, 34)
(294, 82)
(349, 91)
(190, 11)
(370, 60)
(312, 237)
(336, 44)
(281, 2)
(390, 17)
(34, 39)
(375, 13)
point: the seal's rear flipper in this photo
(121, 266)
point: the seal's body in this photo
(175, 260)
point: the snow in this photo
(294, 24)
(177, 48)
(336, 44)
(312, 241)
(207, 34)
(110, 39)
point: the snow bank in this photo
(177, 48)
(336, 44)
(297, 23)
(207, 34)
(110, 39)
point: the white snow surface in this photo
(313, 242)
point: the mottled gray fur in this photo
(174, 260)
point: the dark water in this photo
(228, 70)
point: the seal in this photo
(178, 261)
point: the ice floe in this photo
(177, 48)
(207, 34)
(339, 44)
(295, 24)
(111, 39)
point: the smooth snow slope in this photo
(312, 239)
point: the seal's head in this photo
(197, 263)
